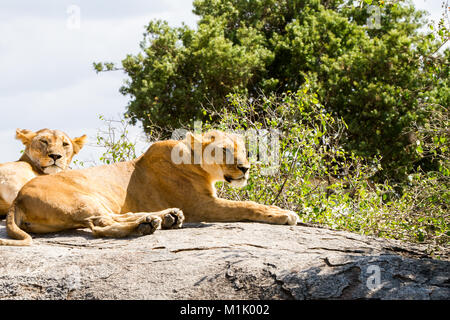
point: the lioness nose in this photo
(55, 156)
(244, 169)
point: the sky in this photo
(47, 48)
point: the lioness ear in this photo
(25, 136)
(211, 136)
(78, 143)
(193, 140)
(191, 137)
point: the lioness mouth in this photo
(51, 169)
(229, 179)
(52, 166)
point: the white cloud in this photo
(433, 7)
(40, 53)
(97, 9)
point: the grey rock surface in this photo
(221, 261)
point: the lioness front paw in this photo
(281, 216)
(172, 219)
(292, 218)
(148, 225)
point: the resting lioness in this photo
(46, 152)
(170, 183)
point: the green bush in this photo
(116, 141)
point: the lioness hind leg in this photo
(4, 207)
(172, 218)
(148, 225)
(110, 226)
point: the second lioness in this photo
(46, 152)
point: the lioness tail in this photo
(21, 237)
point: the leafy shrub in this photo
(116, 141)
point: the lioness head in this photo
(223, 156)
(51, 151)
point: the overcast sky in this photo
(47, 79)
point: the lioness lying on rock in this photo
(170, 183)
(46, 152)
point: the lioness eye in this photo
(43, 142)
(65, 144)
(228, 154)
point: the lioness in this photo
(170, 183)
(46, 152)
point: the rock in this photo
(221, 261)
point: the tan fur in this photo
(36, 161)
(133, 197)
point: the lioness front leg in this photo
(222, 210)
